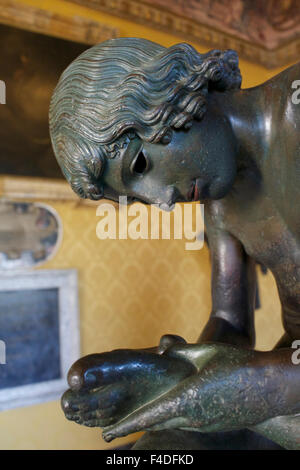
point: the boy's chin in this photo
(217, 189)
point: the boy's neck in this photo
(248, 122)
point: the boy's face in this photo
(197, 164)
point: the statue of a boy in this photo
(163, 125)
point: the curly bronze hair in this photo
(126, 87)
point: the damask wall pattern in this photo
(130, 292)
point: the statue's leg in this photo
(219, 330)
(189, 440)
(106, 387)
(285, 430)
(276, 433)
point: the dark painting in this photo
(31, 65)
(29, 326)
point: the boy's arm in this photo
(233, 289)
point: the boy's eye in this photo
(140, 164)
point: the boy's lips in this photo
(198, 190)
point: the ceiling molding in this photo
(164, 20)
(75, 28)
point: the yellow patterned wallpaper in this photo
(131, 292)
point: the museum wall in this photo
(130, 291)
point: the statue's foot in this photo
(105, 388)
(96, 407)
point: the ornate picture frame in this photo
(37, 374)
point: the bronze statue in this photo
(164, 125)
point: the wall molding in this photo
(21, 187)
(73, 28)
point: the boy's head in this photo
(129, 90)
